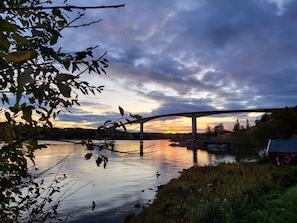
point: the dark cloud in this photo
(83, 118)
(171, 104)
(203, 55)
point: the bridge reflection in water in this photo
(141, 147)
(194, 149)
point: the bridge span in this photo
(195, 115)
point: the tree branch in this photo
(68, 7)
(103, 55)
(83, 25)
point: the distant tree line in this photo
(83, 133)
(219, 129)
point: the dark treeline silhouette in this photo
(83, 133)
(80, 133)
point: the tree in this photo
(236, 126)
(219, 129)
(247, 124)
(38, 81)
(209, 131)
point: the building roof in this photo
(282, 146)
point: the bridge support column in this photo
(194, 125)
(141, 131)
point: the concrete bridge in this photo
(195, 115)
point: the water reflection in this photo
(141, 147)
(131, 177)
(195, 159)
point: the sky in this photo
(184, 56)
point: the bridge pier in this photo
(194, 125)
(141, 131)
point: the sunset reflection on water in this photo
(128, 178)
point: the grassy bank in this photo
(243, 192)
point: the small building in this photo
(282, 152)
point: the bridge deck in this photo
(205, 113)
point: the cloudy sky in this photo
(194, 55)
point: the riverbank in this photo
(242, 192)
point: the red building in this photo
(282, 152)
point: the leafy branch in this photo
(108, 145)
(33, 91)
(66, 7)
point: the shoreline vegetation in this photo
(230, 192)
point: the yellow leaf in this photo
(18, 56)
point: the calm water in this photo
(128, 180)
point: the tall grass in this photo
(241, 192)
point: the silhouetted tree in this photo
(236, 126)
(38, 81)
(219, 129)
(247, 124)
(209, 130)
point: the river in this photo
(96, 194)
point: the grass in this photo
(279, 207)
(242, 192)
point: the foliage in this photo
(38, 81)
(280, 124)
(243, 144)
(224, 193)
(108, 145)
(236, 126)
(279, 207)
(217, 130)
